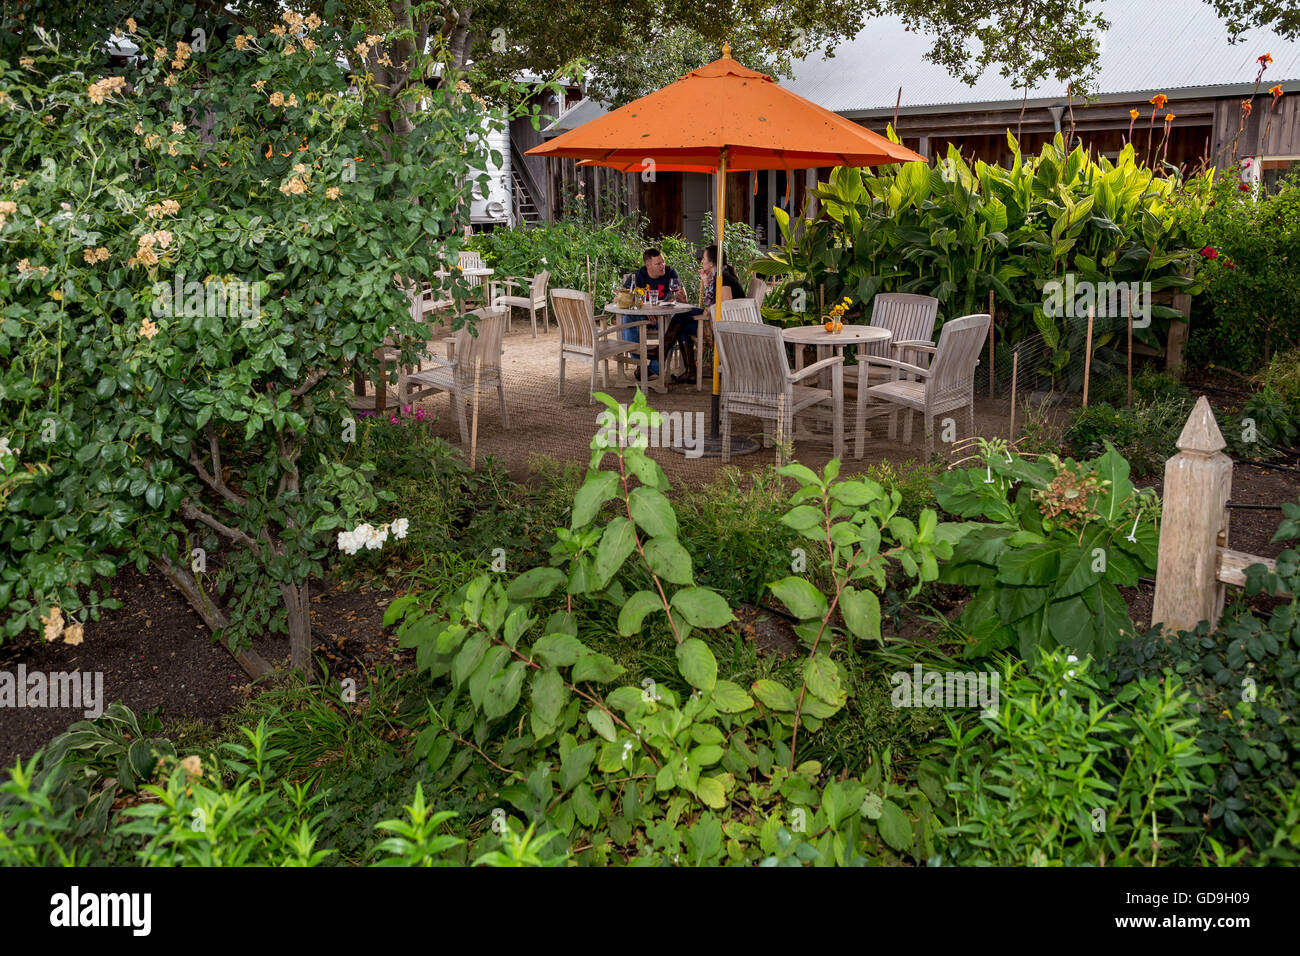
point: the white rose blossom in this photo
(371, 538)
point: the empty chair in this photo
(910, 320)
(948, 384)
(469, 259)
(468, 355)
(531, 296)
(756, 380)
(584, 338)
(756, 290)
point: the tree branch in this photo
(190, 510)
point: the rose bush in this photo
(201, 243)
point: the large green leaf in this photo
(697, 663)
(631, 617)
(861, 611)
(595, 491)
(799, 595)
(652, 512)
(617, 542)
(547, 699)
(702, 607)
(669, 560)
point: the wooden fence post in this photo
(1193, 526)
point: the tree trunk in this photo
(297, 604)
(252, 662)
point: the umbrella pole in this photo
(719, 217)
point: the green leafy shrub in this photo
(1047, 565)
(1245, 678)
(693, 767)
(959, 232)
(1059, 776)
(1250, 247)
(1144, 434)
(146, 415)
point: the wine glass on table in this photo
(674, 287)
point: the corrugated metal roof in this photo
(1152, 46)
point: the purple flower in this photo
(406, 409)
(392, 420)
(419, 414)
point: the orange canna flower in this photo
(1266, 59)
(1169, 117)
(1159, 101)
(1246, 107)
(1276, 91)
(1132, 114)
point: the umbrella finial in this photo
(726, 49)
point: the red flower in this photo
(1210, 252)
(1228, 263)
(1244, 187)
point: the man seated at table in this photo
(657, 276)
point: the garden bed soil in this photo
(155, 652)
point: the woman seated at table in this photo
(685, 327)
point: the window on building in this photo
(1274, 169)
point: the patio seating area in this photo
(823, 410)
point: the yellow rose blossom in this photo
(278, 30)
(19, 184)
(152, 140)
(169, 80)
(131, 24)
(332, 193)
(105, 86)
(53, 623)
(74, 633)
(192, 765)
(172, 150)
(178, 128)
(293, 99)
(313, 22)
(148, 329)
(8, 207)
(160, 53)
(277, 98)
(308, 43)
(26, 62)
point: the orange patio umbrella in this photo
(723, 118)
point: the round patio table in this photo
(825, 341)
(817, 335)
(663, 309)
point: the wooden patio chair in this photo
(757, 381)
(741, 310)
(532, 296)
(910, 320)
(756, 290)
(469, 259)
(467, 354)
(584, 338)
(948, 384)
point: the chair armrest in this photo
(601, 333)
(512, 281)
(918, 344)
(865, 360)
(816, 367)
(448, 362)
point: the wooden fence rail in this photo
(1194, 562)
